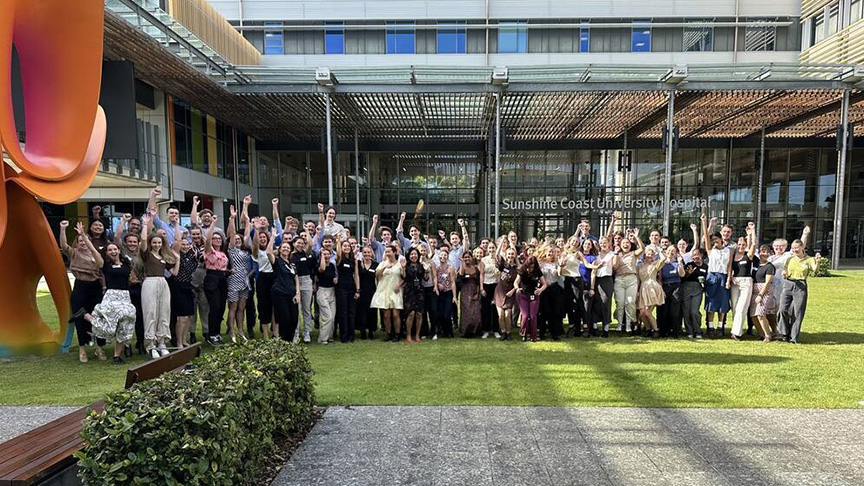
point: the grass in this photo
(827, 371)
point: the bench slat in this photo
(171, 362)
(42, 437)
(46, 465)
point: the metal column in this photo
(357, 180)
(837, 241)
(760, 186)
(497, 165)
(329, 156)
(670, 138)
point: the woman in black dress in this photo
(414, 301)
(183, 300)
(367, 318)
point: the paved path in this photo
(15, 421)
(479, 446)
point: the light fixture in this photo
(324, 77)
(500, 76)
(675, 75)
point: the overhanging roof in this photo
(538, 104)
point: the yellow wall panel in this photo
(212, 147)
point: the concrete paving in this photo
(481, 446)
(15, 421)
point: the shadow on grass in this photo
(832, 338)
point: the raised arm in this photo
(276, 216)
(706, 240)
(193, 215)
(711, 225)
(321, 216)
(208, 238)
(270, 255)
(64, 241)
(466, 243)
(639, 244)
(176, 268)
(322, 265)
(611, 229)
(695, 231)
(400, 228)
(255, 246)
(247, 200)
(373, 229)
(805, 235)
(751, 239)
(121, 227)
(92, 249)
(178, 236)
(230, 230)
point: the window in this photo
(855, 13)
(584, 38)
(833, 19)
(512, 37)
(760, 38)
(400, 40)
(334, 38)
(698, 38)
(818, 29)
(641, 36)
(273, 39)
(451, 40)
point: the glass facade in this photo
(512, 37)
(273, 39)
(641, 36)
(334, 38)
(204, 144)
(545, 193)
(400, 40)
(452, 40)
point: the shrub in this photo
(212, 425)
(824, 269)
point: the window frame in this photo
(705, 46)
(519, 28)
(397, 32)
(461, 34)
(276, 30)
(584, 40)
(641, 27)
(332, 28)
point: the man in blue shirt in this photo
(378, 246)
(414, 232)
(173, 216)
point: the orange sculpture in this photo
(59, 45)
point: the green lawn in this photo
(827, 370)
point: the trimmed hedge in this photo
(212, 425)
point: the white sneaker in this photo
(307, 339)
(435, 337)
(296, 339)
(163, 351)
(497, 335)
(154, 353)
(485, 335)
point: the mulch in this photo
(284, 449)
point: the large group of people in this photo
(156, 279)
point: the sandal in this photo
(99, 353)
(82, 355)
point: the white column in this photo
(841, 182)
(670, 137)
(329, 156)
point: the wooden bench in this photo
(45, 454)
(152, 369)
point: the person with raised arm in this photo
(414, 232)
(155, 294)
(683, 249)
(388, 294)
(306, 268)
(285, 289)
(378, 246)
(741, 279)
(183, 294)
(113, 319)
(692, 288)
(430, 315)
(469, 297)
(216, 262)
(574, 286)
(264, 282)
(793, 305)
(650, 290)
(604, 282)
(490, 273)
(458, 244)
(326, 295)
(717, 284)
(505, 291)
(550, 316)
(238, 276)
(327, 223)
(85, 264)
(626, 285)
(173, 216)
(779, 259)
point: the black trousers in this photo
(430, 315)
(346, 307)
(250, 308)
(286, 315)
(135, 296)
(604, 290)
(671, 313)
(445, 314)
(590, 306)
(265, 297)
(174, 291)
(551, 315)
(216, 290)
(85, 295)
(573, 306)
(488, 312)
(366, 318)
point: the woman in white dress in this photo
(388, 293)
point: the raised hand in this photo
(232, 211)
(713, 221)
(461, 222)
(127, 217)
(751, 227)
(275, 201)
(375, 219)
(320, 207)
(247, 200)
(195, 200)
(693, 226)
(156, 191)
(704, 218)
(807, 230)
(402, 216)
(215, 218)
(79, 228)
